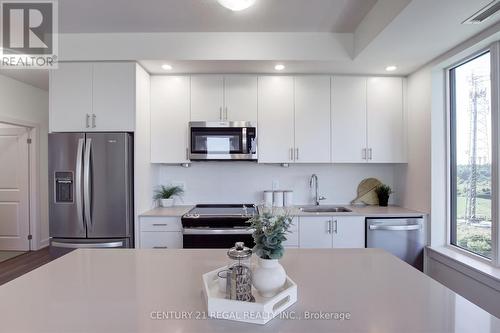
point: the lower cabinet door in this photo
(349, 232)
(161, 240)
(315, 232)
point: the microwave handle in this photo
(244, 143)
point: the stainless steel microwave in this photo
(221, 141)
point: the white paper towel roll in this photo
(278, 198)
(268, 199)
(288, 198)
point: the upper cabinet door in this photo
(348, 119)
(386, 120)
(169, 119)
(71, 97)
(113, 91)
(240, 98)
(312, 119)
(275, 129)
(207, 98)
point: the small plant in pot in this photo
(167, 194)
(383, 194)
(270, 232)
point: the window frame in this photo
(494, 51)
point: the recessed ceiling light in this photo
(236, 5)
(279, 67)
(166, 67)
(391, 68)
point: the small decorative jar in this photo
(239, 274)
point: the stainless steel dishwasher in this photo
(403, 237)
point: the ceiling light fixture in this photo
(279, 67)
(236, 5)
(166, 67)
(391, 68)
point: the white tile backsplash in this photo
(237, 182)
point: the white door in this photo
(169, 119)
(386, 120)
(207, 98)
(348, 119)
(315, 232)
(312, 119)
(14, 189)
(348, 232)
(113, 92)
(70, 94)
(275, 129)
(240, 98)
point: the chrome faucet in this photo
(317, 197)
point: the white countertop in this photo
(369, 211)
(117, 290)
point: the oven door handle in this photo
(209, 231)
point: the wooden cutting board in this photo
(366, 191)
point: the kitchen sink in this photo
(325, 209)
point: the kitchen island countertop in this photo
(127, 290)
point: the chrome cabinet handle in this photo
(159, 224)
(160, 247)
(329, 229)
(363, 154)
(335, 229)
(369, 153)
(93, 120)
(187, 153)
(297, 154)
(291, 154)
(225, 113)
(220, 114)
(87, 121)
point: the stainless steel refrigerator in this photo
(91, 190)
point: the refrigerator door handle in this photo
(78, 183)
(87, 189)
(88, 245)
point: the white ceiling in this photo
(77, 16)
(423, 30)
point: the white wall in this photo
(29, 104)
(243, 182)
(414, 179)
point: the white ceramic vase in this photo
(268, 277)
(167, 202)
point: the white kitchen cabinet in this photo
(332, 232)
(207, 98)
(348, 232)
(276, 119)
(312, 119)
(90, 97)
(70, 97)
(113, 97)
(386, 132)
(160, 233)
(315, 232)
(169, 119)
(368, 120)
(348, 119)
(240, 98)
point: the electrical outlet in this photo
(276, 185)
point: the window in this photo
(471, 156)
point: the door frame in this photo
(34, 196)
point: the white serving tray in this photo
(260, 312)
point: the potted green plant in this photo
(269, 233)
(383, 194)
(166, 194)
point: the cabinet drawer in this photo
(161, 240)
(161, 224)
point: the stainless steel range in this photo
(218, 226)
